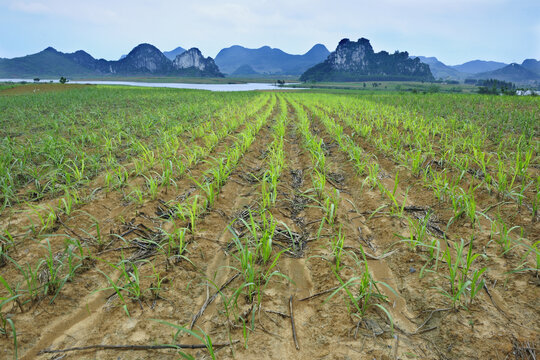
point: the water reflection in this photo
(211, 87)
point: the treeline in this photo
(343, 76)
(493, 86)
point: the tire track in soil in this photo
(237, 195)
(317, 323)
(328, 319)
(291, 209)
(357, 231)
(81, 316)
(273, 335)
(293, 184)
(86, 314)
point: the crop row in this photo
(51, 143)
(457, 147)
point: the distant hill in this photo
(267, 60)
(174, 53)
(144, 59)
(356, 61)
(192, 63)
(532, 65)
(513, 73)
(244, 70)
(459, 72)
(479, 66)
(46, 63)
(441, 70)
(169, 54)
(351, 60)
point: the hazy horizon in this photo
(456, 32)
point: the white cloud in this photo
(87, 11)
(30, 7)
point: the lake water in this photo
(211, 87)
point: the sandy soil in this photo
(502, 323)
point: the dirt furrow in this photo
(405, 265)
(293, 211)
(111, 213)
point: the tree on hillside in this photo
(494, 86)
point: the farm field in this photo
(269, 225)
(386, 86)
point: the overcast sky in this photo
(454, 31)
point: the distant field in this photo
(6, 86)
(380, 224)
(17, 89)
(391, 86)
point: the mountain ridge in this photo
(174, 52)
(244, 70)
(356, 61)
(531, 65)
(33, 65)
(267, 60)
(527, 72)
(235, 60)
(513, 73)
(143, 59)
(193, 61)
(478, 66)
(440, 70)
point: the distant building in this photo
(527, 92)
